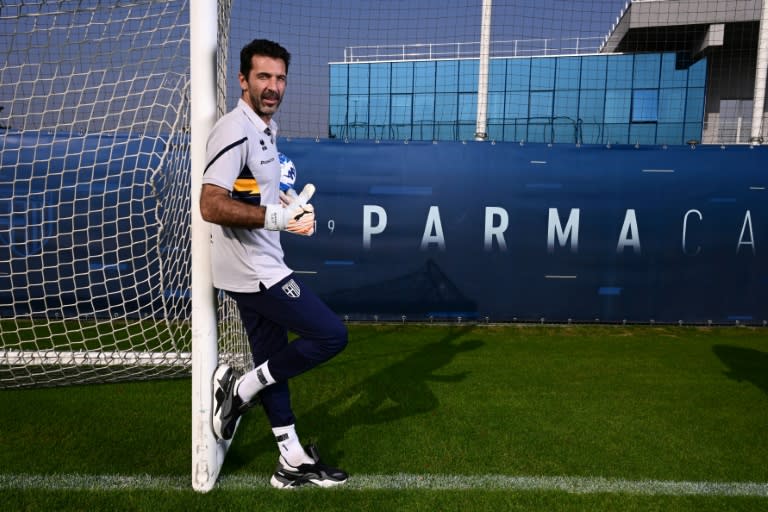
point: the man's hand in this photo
(297, 216)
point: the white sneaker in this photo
(317, 473)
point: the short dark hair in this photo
(262, 47)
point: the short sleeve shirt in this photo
(241, 156)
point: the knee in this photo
(328, 341)
(339, 338)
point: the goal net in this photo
(95, 192)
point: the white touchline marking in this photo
(569, 484)
(555, 276)
(659, 170)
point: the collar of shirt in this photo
(269, 129)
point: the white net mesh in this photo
(94, 192)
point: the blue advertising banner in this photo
(510, 232)
(427, 231)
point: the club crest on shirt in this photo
(291, 289)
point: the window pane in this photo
(671, 105)
(358, 132)
(446, 130)
(591, 105)
(495, 106)
(466, 131)
(566, 104)
(402, 77)
(543, 74)
(380, 77)
(448, 76)
(519, 74)
(424, 77)
(401, 108)
(670, 75)
(401, 116)
(446, 107)
(358, 116)
(539, 130)
(565, 130)
(644, 134)
(358, 79)
(336, 131)
(592, 133)
(645, 105)
(646, 72)
(337, 110)
(423, 108)
(515, 131)
(568, 72)
(468, 71)
(516, 105)
(468, 107)
(617, 105)
(379, 109)
(694, 105)
(620, 72)
(616, 133)
(400, 131)
(495, 131)
(339, 79)
(593, 71)
(541, 105)
(693, 132)
(697, 74)
(669, 133)
(423, 130)
(497, 77)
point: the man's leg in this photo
(290, 306)
(266, 339)
(267, 317)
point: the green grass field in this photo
(433, 418)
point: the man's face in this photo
(264, 86)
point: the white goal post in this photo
(207, 453)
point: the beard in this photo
(261, 108)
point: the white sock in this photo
(290, 446)
(254, 381)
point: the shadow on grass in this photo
(744, 364)
(398, 391)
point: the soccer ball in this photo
(287, 172)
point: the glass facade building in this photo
(648, 98)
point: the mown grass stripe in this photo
(569, 484)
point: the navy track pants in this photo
(268, 316)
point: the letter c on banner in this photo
(685, 230)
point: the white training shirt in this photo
(241, 156)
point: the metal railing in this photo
(470, 50)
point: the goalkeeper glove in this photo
(297, 216)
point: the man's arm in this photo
(218, 207)
(297, 217)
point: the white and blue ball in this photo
(287, 172)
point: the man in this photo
(241, 197)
